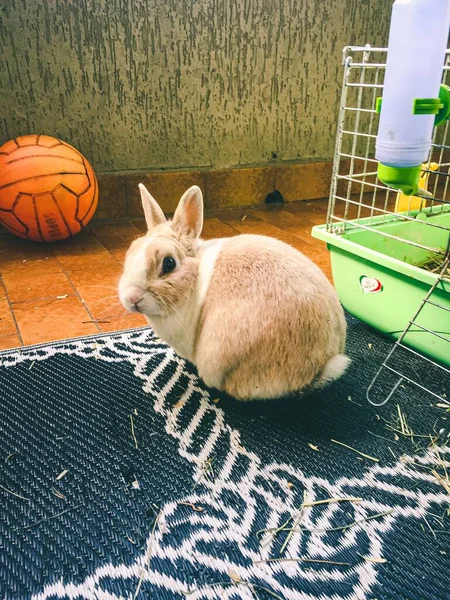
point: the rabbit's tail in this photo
(334, 369)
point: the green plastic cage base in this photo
(379, 279)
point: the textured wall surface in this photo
(156, 84)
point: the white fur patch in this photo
(208, 257)
(137, 265)
(135, 272)
(334, 369)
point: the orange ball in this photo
(48, 190)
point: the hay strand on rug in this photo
(357, 451)
(149, 556)
(50, 518)
(327, 529)
(302, 559)
(133, 435)
(13, 493)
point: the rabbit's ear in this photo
(153, 214)
(188, 218)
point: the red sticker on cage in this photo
(370, 285)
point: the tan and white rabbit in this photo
(257, 318)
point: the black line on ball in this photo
(43, 156)
(39, 176)
(38, 223)
(55, 200)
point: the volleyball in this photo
(48, 190)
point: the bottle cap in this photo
(405, 179)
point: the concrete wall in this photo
(142, 85)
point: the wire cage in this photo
(390, 252)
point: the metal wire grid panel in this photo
(358, 200)
(382, 388)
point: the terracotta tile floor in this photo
(69, 289)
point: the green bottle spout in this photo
(405, 179)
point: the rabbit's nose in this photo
(133, 295)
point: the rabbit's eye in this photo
(168, 265)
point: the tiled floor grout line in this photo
(230, 226)
(34, 299)
(109, 252)
(19, 335)
(266, 222)
(77, 294)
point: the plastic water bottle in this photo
(417, 43)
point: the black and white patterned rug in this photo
(123, 477)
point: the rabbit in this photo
(257, 318)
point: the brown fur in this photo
(274, 325)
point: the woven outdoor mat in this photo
(123, 477)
